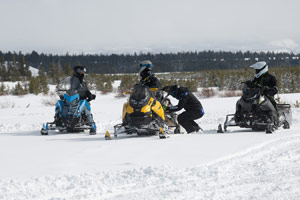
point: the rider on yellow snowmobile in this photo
(149, 79)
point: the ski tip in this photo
(107, 136)
(220, 130)
(162, 134)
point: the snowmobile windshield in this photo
(140, 96)
(250, 93)
(63, 86)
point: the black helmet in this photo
(174, 91)
(79, 70)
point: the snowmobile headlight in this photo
(143, 101)
(261, 99)
(133, 102)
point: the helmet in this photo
(80, 70)
(145, 68)
(260, 67)
(174, 91)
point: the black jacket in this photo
(268, 82)
(77, 83)
(151, 82)
(188, 101)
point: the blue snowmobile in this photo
(72, 114)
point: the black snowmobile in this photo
(142, 114)
(254, 110)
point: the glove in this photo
(91, 97)
(249, 84)
(265, 89)
(168, 109)
(164, 107)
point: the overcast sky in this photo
(126, 26)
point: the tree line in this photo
(163, 62)
(15, 67)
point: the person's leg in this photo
(90, 120)
(194, 116)
(88, 115)
(185, 119)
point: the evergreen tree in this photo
(21, 65)
(3, 71)
(2, 89)
(59, 73)
(68, 70)
(52, 72)
(43, 81)
(34, 85)
(18, 90)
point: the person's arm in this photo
(75, 83)
(180, 105)
(271, 89)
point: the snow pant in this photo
(186, 120)
(85, 107)
(271, 98)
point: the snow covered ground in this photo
(240, 164)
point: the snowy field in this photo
(240, 164)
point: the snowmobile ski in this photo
(162, 134)
(107, 136)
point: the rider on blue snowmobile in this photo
(78, 85)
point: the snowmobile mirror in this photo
(153, 89)
(128, 92)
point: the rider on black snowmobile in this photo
(148, 78)
(263, 80)
(193, 108)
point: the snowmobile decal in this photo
(71, 98)
(157, 108)
(59, 106)
(126, 109)
(81, 106)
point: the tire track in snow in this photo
(267, 171)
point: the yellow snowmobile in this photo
(142, 114)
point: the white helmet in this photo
(260, 67)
